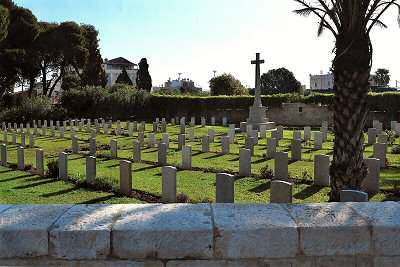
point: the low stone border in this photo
(329, 234)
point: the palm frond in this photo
(321, 27)
(304, 11)
(380, 24)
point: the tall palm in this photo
(350, 21)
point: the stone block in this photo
(353, 196)
(187, 157)
(296, 150)
(225, 145)
(162, 154)
(245, 162)
(372, 132)
(384, 226)
(63, 166)
(4, 155)
(380, 151)
(271, 148)
(205, 144)
(152, 140)
(125, 177)
(371, 183)
(191, 135)
(90, 169)
(382, 138)
(141, 139)
(137, 152)
(330, 229)
(169, 184)
(164, 231)
(317, 140)
(225, 188)
(321, 170)
(92, 146)
(75, 146)
(21, 158)
(307, 133)
(281, 192)
(24, 229)
(83, 232)
(281, 166)
(114, 148)
(254, 231)
(181, 141)
(165, 140)
(211, 134)
(297, 135)
(40, 162)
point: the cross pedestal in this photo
(258, 113)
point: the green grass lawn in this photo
(198, 185)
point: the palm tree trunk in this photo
(351, 69)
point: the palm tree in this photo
(350, 21)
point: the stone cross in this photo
(257, 62)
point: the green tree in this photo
(382, 77)
(277, 81)
(22, 31)
(350, 21)
(4, 22)
(226, 84)
(124, 78)
(92, 73)
(143, 78)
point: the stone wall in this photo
(297, 115)
(329, 234)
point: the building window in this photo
(300, 109)
(315, 85)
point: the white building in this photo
(321, 81)
(185, 84)
(55, 95)
(113, 69)
(326, 81)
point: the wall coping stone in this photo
(175, 234)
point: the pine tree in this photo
(143, 79)
(124, 78)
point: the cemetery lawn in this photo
(198, 184)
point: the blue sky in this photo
(196, 37)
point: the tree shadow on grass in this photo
(261, 188)
(5, 171)
(61, 192)
(308, 192)
(214, 156)
(36, 184)
(146, 168)
(77, 158)
(15, 178)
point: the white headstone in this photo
(187, 157)
(281, 192)
(225, 188)
(169, 184)
(245, 162)
(125, 179)
(371, 183)
(281, 166)
(63, 166)
(40, 162)
(321, 170)
(90, 169)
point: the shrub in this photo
(391, 135)
(53, 169)
(266, 173)
(396, 149)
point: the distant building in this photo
(113, 68)
(321, 81)
(55, 95)
(326, 81)
(185, 85)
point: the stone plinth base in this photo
(258, 117)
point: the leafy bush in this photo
(391, 135)
(396, 149)
(266, 173)
(53, 169)
(37, 108)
